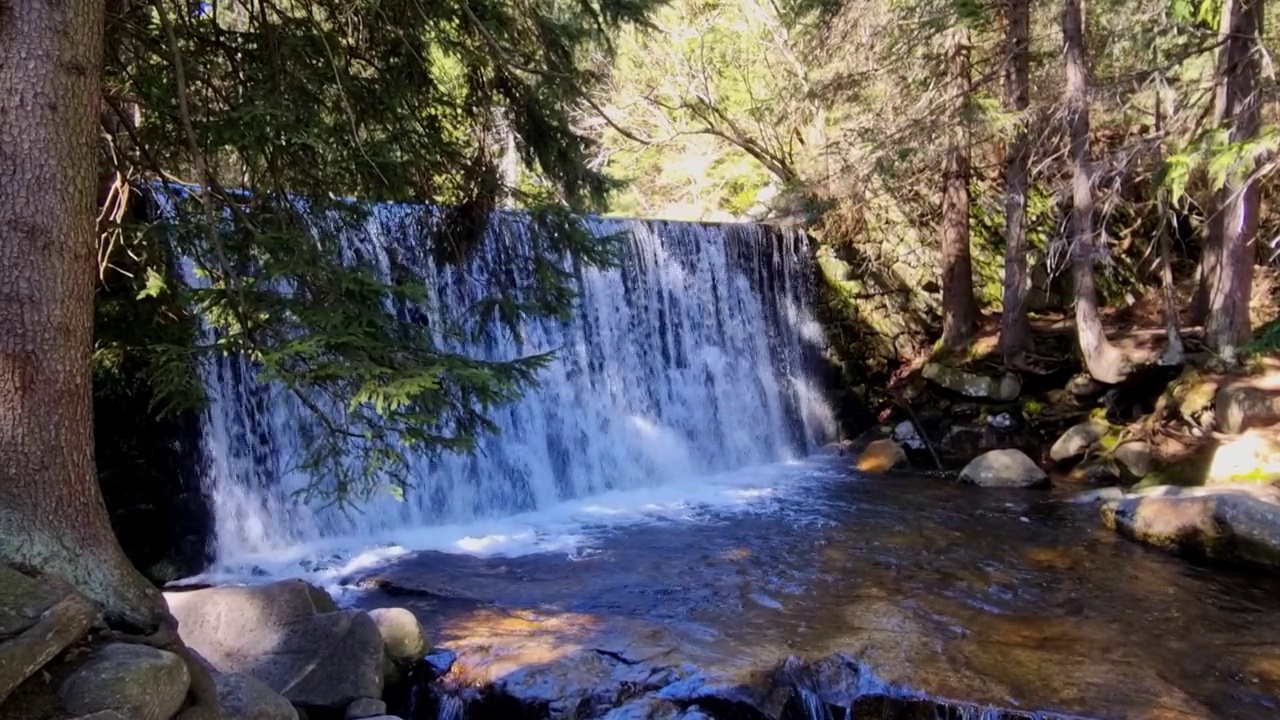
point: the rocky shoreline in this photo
(1179, 458)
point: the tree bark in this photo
(1015, 331)
(1103, 360)
(52, 517)
(1226, 279)
(959, 308)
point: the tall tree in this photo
(1103, 360)
(1226, 279)
(52, 517)
(959, 308)
(1015, 330)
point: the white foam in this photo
(570, 528)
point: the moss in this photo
(1032, 408)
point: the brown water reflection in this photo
(1015, 599)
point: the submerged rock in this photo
(1004, 388)
(290, 636)
(881, 455)
(137, 681)
(37, 621)
(1004, 469)
(1078, 440)
(1236, 524)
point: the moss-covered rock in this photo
(1002, 388)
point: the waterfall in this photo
(695, 355)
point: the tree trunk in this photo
(52, 517)
(959, 309)
(1175, 350)
(1226, 280)
(1104, 361)
(1015, 331)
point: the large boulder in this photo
(1004, 388)
(1247, 403)
(1251, 457)
(881, 455)
(1078, 439)
(1232, 523)
(290, 636)
(38, 620)
(1004, 469)
(243, 697)
(138, 681)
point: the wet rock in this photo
(104, 715)
(402, 635)
(138, 681)
(905, 432)
(440, 661)
(1004, 469)
(880, 456)
(1238, 524)
(998, 389)
(243, 697)
(1247, 403)
(1078, 439)
(290, 636)
(645, 708)
(1098, 471)
(38, 620)
(365, 708)
(1133, 459)
(1251, 457)
(1097, 496)
(1084, 387)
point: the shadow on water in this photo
(871, 596)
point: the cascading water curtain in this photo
(695, 355)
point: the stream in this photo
(937, 599)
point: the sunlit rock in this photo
(1078, 439)
(287, 635)
(1231, 523)
(1251, 457)
(1004, 388)
(1004, 468)
(880, 456)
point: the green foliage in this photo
(257, 120)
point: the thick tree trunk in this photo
(52, 517)
(959, 308)
(1104, 361)
(1015, 331)
(1226, 280)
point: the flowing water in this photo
(694, 357)
(644, 528)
